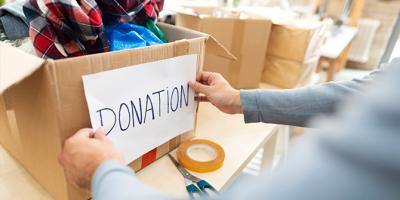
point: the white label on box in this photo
(143, 106)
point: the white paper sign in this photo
(143, 106)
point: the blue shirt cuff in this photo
(251, 112)
(105, 168)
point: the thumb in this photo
(100, 134)
(198, 87)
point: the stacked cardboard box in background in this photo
(247, 39)
(42, 102)
(293, 52)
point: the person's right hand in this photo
(84, 152)
(217, 91)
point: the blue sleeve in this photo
(353, 154)
(113, 180)
(297, 106)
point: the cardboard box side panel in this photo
(188, 21)
(75, 193)
(254, 40)
(280, 72)
(288, 42)
(219, 29)
(297, 43)
(33, 105)
(213, 46)
(288, 73)
(174, 33)
(197, 46)
(217, 64)
(9, 135)
(73, 109)
(237, 42)
(247, 40)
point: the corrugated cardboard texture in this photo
(30, 106)
(288, 73)
(48, 105)
(69, 86)
(9, 134)
(246, 39)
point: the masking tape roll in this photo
(201, 155)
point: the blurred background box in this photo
(293, 52)
(285, 73)
(246, 38)
(296, 39)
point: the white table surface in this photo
(338, 40)
(240, 142)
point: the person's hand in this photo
(83, 153)
(217, 91)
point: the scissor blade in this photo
(173, 160)
(181, 169)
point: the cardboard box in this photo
(297, 40)
(42, 102)
(247, 39)
(288, 73)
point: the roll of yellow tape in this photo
(201, 155)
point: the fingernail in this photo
(91, 135)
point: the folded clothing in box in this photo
(61, 29)
(13, 21)
(126, 35)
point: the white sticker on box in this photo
(143, 106)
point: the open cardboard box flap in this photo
(216, 48)
(16, 65)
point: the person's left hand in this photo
(83, 153)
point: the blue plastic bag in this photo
(126, 36)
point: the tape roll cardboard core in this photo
(201, 155)
(201, 152)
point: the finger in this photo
(201, 98)
(198, 87)
(100, 134)
(205, 77)
(84, 133)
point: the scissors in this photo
(191, 180)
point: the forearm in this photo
(297, 106)
(115, 181)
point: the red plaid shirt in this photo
(136, 11)
(61, 29)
